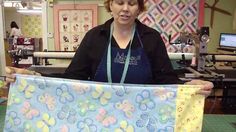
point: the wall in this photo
(30, 25)
(222, 23)
(11, 15)
(2, 47)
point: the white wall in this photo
(2, 48)
(11, 15)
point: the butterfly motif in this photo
(102, 95)
(105, 119)
(27, 89)
(147, 121)
(85, 106)
(40, 82)
(67, 113)
(81, 88)
(166, 113)
(48, 100)
(124, 127)
(86, 125)
(120, 90)
(12, 120)
(164, 94)
(126, 107)
(145, 101)
(167, 129)
(13, 99)
(46, 122)
(28, 127)
(64, 94)
(29, 112)
(64, 128)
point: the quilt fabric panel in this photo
(170, 17)
(51, 104)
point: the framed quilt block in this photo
(71, 24)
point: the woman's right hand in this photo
(10, 71)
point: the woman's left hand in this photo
(206, 86)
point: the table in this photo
(219, 123)
(211, 122)
(2, 116)
(227, 84)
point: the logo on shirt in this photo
(120, 58)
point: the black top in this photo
(94, 45)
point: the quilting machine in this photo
(206, 63)
(214, 67)
(41, 60)
(43, 65)
(199, 63)
(185, 61)
(203, 70)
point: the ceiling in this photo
(23, 3)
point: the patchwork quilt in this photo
(43, 104)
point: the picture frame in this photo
(71, 23)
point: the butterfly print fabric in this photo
(46, 104)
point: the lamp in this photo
(204, 34)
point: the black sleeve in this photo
(162, 69)
(80, 66)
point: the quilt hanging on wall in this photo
(51, 104)
(32, 26)
(170, 17)
(71, 24)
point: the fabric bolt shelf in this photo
(50, 104)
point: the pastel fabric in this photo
(51, 104)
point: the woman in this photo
(122, 50)
(15, 30)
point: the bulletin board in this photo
(71, 24)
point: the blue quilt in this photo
(50, 104)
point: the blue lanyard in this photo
(127, 60)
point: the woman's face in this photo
(124, 11)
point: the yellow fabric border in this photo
(189, 109)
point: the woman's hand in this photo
(10, 71)
(206, 86)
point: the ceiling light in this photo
(12, 4)
(27, 11)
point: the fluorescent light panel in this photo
(20, 9)
(30, 11)
(12, 4)
(17, 4)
